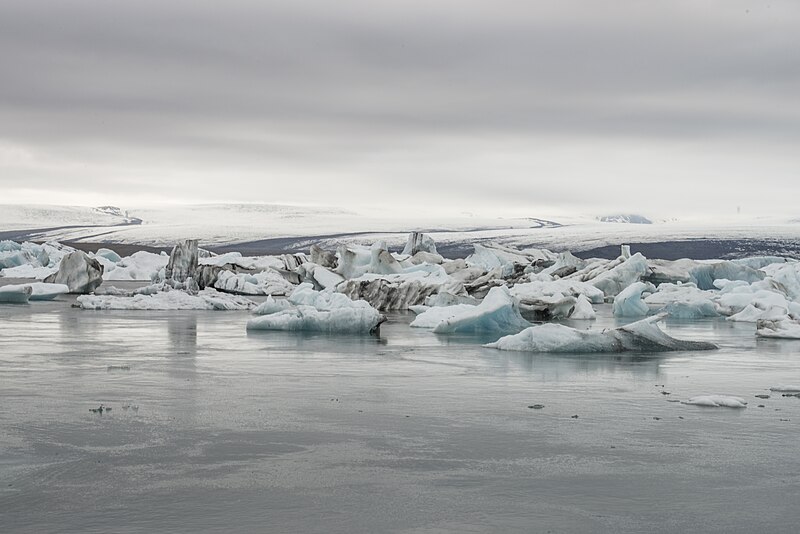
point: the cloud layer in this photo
(674, 107)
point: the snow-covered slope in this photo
(297, 227)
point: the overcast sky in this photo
(664, 108)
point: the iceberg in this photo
(629, 302)
(419, 242)
(79, 272)
(641, 336)
(716, 401)
(784, 328)
(583, 309)
(612, 281)
(182, 261)
(399, 291)
(263, 283)
(16, 294)
(498, 312)
(140, 265)
(683, 301)
(38, 290)
(207, 299)
(316, 311)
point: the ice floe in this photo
(317, 311)
(498, 312)
(79, 272)
(641, 336)
(166, 299)
(717, 401)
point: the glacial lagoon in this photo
(213, 428)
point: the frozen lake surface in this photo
(406, 432)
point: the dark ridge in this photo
(702, 249)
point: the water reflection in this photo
(182, 334)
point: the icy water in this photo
(407, 432)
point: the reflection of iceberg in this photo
(641, 336)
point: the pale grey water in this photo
(408, 432)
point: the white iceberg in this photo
(419, 242)
(629, 303)
(783, 328)
(498, 312)
(583, 309)
(316, 311)
(140, 265)
(264, 283)
(717, 401)
(38, 290)
(16, 294)
(207, 299)
(641, 336)
(621, 275)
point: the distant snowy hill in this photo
(625, 218)
(14, 216)
(272, 227)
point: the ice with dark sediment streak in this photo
(782, 328)
(79, 272)
(164, 298)
(182, 261)
(316, 311)
(641, 336)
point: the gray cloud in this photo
(582, 104)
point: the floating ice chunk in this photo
(583, 309)
(683, 301)
(786, 388)
(492, 255)
(419, 242)
(569, 287)
(641, 336)
(398, 292)
(16, 294)
(498, 312)
(319, 275)
(752, 314)
(317, 311)
(717, 401)
(140, 265)
(43, 291)
(79, 272)
(182, 261)
(445, 298)
(264, 283)
(783, 328)
(629, 302)
(612, 281)
(207, 299)
(108, 254)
